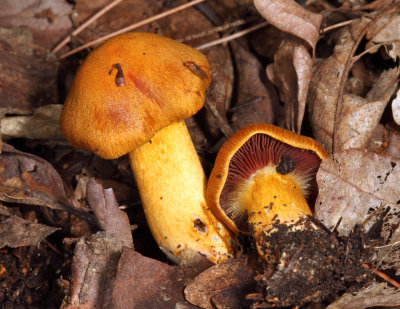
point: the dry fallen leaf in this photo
(325, 85)
(388, 255)
(224, 285)
(291, 70)
(16, 232)
(113, 220)
(43, 124)
(28, 179)
(124, 14)
(142, 282)
(256, 99)
(290, 17)
(93, 271)
(48, 20)
(28, 78)
(340, 120)
(375, 295)
(396, 108)
(96, 258)
(386, 32)
(354, 183)
(291, 73)
(360, 117)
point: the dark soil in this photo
(29, 276)
(311, 265)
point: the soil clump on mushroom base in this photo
(311, 265)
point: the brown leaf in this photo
(28, 78)
(17, 232)
(256, 99)
(376, 5)
(93, 271)
(359, 117)
(385, 141)
(224, 285)
(124, 14)
(114, 221)
(386, 32)
(28, 179)
(48, 20)
(352, 184)
(142, 282)
(290, 17)
(43, 124)
(291, 73)
(388, 256)
(375, 295)
(325, 85)
(353, 118)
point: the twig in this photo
(203, 34)
(232, 36)
(131, 27)
(382, 275)
(85, 24)
(388, 245)
(357, 57)
(335, 26)
(222, 122)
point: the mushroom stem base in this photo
(172, 186)
(272, 198)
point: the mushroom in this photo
(130, 95)
(264, 175)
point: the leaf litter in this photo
(332, 74)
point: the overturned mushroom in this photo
(131, 95)
(264, 175)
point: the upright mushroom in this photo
(264, 175)
(130, 95)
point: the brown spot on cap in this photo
(153, 92)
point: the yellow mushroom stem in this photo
(172, 187)
(269, 196)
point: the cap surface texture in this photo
(129, 88)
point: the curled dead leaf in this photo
(48, 20)
(28, 77)
(375, 295)
(224, 285)
(386, 32)
(93, 271)
(113, 220)
(339, 120)
(290, 17)
(17, 232)
(142, 282)
(43, 124)
(256, 100)
(291, 73)
(28, 179)
(354, 183)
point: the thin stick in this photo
(335, 26)
(232, 36)
(203, 34)
(85, 24)
(388, 245)
(131, 27)
(382, 275)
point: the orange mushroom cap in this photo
(251, 149)
(131, 87)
